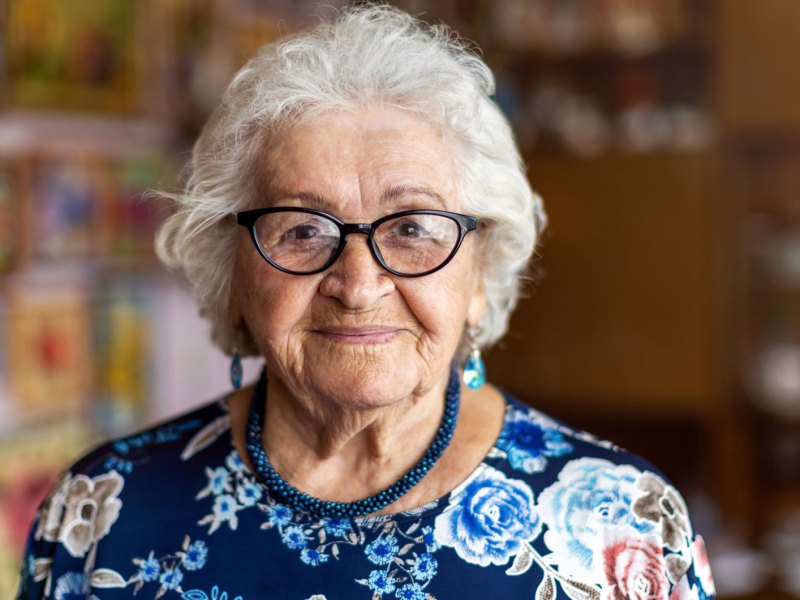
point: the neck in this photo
(339, 453)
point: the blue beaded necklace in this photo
(300, 501)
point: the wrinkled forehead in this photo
(385, 157)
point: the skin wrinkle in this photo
(395, 197)
(345, 420)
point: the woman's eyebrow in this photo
(398, 191)
(307, 198)
(392, 194)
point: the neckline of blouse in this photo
(430, 509)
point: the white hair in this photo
(375, 55)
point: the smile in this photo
(359, 335)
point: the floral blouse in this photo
(550, 513)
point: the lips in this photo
(360, 335)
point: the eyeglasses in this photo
(304, 241)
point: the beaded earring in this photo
(236, 371)
(474, 369)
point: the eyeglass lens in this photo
(304, 242)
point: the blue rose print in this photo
(591, 496)
(490, 520)
(529, 440)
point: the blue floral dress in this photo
(550, 513)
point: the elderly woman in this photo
(357, 214)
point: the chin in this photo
(366, 387)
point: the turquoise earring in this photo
(237, 372)
(474, 369)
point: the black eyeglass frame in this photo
(248, 219)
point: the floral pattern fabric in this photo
(550, 513)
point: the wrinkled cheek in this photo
(263, 302)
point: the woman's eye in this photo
(302, 232)
(409, 229)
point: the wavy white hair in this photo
(370, 56)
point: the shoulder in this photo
(570, 469)
(535, 442)
(176, 438)
(600, 508)
(128, 473)
(106, 474)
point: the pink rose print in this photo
(634, 569)
(701, 566)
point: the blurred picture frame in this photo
(73, 55)
(122, 315)
(13, 239)
(66, 203)
(130, 216)
(48, 336)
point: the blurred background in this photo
(664, 136)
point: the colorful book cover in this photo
(49, 356)
(123, 354)
(131, 218)
(67, 196)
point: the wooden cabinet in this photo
(625, 316)
(758, 88)
(661, 294)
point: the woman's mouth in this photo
(359, 335)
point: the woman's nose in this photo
(356, 279)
